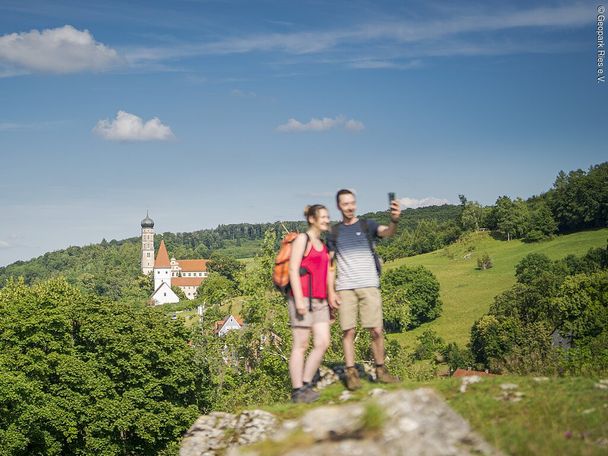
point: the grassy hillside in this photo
(467, 292)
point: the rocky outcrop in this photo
(395, 423)
(213, 434)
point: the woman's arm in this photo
(295, 261)
(331, 280)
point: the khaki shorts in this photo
(319, 314)
(364, 301)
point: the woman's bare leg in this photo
(296, 360)
(320, 337)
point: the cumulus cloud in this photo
(59, 50)
(423, 202)
(324, 124)
(129, 127)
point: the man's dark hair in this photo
(344, 191)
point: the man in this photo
(357, 283)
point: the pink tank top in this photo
(317, 264)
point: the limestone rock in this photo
(213, 433)
(396, 423)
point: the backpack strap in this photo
(365, 229)
(370, 241)
(304, 271)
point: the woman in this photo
(308, 308)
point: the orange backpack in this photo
(280, 272)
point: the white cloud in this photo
(33, 126)
(354, 125)
(59, 50)
(242, 94)
(384, 64)
(4, 245)
(129, 127)
(10, 126)
(423, 202)
(324, 124)
(421, 37)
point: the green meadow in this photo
(467, 292)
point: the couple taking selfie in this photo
(352, 290)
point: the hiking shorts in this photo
(319, 314)
(363, 301)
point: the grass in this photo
(554, 416)
(373, 418)
(467, 292)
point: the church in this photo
(185, 274)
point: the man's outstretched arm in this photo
(391, 229)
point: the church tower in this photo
(162, 267)
(147, 245)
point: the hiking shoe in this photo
(352, 379)
(383, 376)
(304, 395)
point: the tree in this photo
(579, 199)
(531, 266)
(582, 302)
(457, 357)
(216, 288)
(471, 216)
(538, 270)
(488, 340)
(83, 375)
(415, 286)
(224, 265)
(512, 218)
(542, 224)
(429, 345)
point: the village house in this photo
(227, 324)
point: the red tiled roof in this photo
(186, 281)
(162, 258)
(469, 373)
(193, 265)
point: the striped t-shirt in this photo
(355, 261)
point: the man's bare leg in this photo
(377, 344)
(348, 343)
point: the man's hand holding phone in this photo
(394, 207)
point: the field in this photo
(467, 292)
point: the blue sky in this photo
(208, 112)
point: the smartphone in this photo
(391, 198)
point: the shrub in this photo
(484, 262)
(429, 345)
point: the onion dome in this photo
(147, 222)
